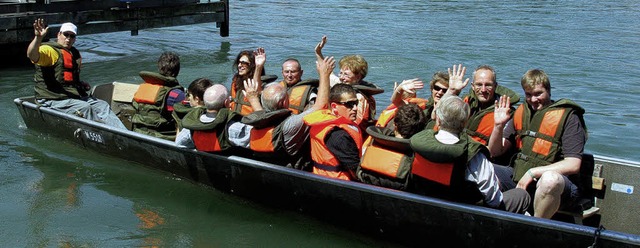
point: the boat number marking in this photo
(627, 189)
(93, 136)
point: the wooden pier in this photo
(102, 16)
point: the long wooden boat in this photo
(405, 217)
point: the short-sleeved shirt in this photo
(49, 56)
(342, 145)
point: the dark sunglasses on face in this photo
(438, 88)
(349, 104)
(69, 35)
(244, 63)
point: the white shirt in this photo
(479, 170)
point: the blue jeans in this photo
(87, 107)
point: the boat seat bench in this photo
(592, 187)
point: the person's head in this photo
(537, 88)
(409, 120)
(439, 85)
(343, 101)
(353, 68)
(452, 114)
(215, 97)
(195, 91)
(245, 64)
(169, 64)
(274, 97)
(291, 71)
(484, 84)
(67, 35)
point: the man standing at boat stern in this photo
(549, 136)
(57, 76)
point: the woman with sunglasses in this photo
(57, 76)
(247, 65)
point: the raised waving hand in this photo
(456, 83)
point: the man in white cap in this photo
(57, 76)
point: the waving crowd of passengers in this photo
(444, 146)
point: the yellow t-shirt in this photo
(48, 56)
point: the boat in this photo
(404, 217)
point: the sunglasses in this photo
(438, 88)
(245, 63)
(69, 35)
(349, 104)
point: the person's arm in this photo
(319, 47)
(260, 59)
(409, 86)
(497, 144)
(480, 170)
(455, 79)
(40, 31)
(251, 91)
(325, 68)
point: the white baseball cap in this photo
(69, 27)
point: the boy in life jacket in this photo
(336, 140)
(387, 161)
(57, 76)
(549, 136)
(154, 99)
(194, 102)
(195, 99)
(449, 164)
(273, 130)
(353, 70)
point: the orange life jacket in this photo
(387, 161)
(210, 136)
(266, 134)
(444, 165)
(299, 94)
(207, 141)
(539, 134)
(321, 122)
(239, 102)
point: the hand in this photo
(86, 86)
(250, 88)
(326, 66)
(501, 111)
(320, 46)
(40, 29)
(410, 86)
(260, 56)
(524, 182)
(455, 79)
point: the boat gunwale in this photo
(616, 236)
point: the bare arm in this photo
(455, 79)
(324, 71)
(252, 92)
(40, 30)
(319, 47)
(260, 59)
(497, 144)
(409, 86)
